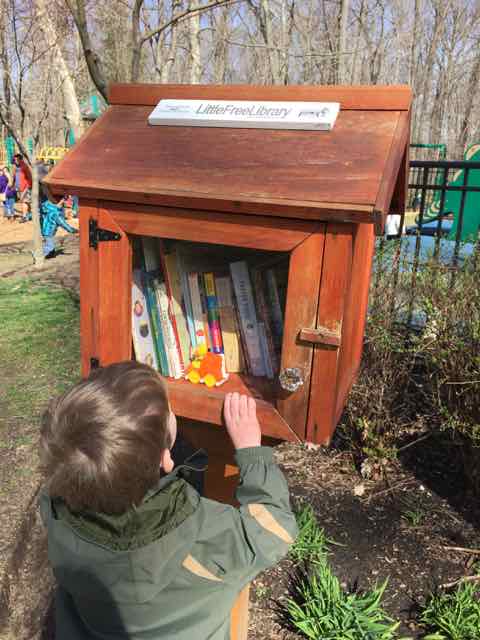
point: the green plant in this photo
(413, 517)
(311, 542)
(262, 591)
(453, 616)
(320, 608)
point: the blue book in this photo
(152, 306)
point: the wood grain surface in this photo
(301, 312)
(255, 232)
(378, 97)
(114, 295)
(302, 174)
(335, 284)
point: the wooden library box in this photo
(311, 201)
(317, 197)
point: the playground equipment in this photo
(441, 148)
(452, 200)
(49, 154)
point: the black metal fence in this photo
(440, 228)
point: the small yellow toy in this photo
(207, 368)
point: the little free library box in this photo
(303, 205)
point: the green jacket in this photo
(171, 568)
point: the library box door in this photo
(296, 405)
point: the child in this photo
(7, 188)
(136, 551)
(51, 217)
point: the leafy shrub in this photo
(420, 374)
(453, 616)
(311, 542)
(320, 608)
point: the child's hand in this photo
(241, 420)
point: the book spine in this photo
(177, 303)
(265, 317)
(243, 345)
(265, 351)
(167, 329)
(232, 346)
(197, 312)
(143, 343)
(276, 309)
(170, 306)
(203, 300)
(248, 318)
(212, 313)
(187, 300)
(156, 325)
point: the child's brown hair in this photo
(101, 442)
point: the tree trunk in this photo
(220, 48)
(77, 9)
(470, 99)
(264, 17)
(38, 257)
(194, 39)
(70, 101)
(342, 65)
(136, 42)
(166, 69)
(7, 98)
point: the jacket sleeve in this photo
(64, 224)
(263, 527)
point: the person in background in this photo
(23, 184)
(7, 193)
(51, 217)
(42, 171)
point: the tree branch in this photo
(185, 14)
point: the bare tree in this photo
(342, 40)
(28, 56)
(60, 68)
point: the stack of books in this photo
(186, 294)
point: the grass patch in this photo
(453, 616)
(320, 608)
(39, 350)
(311, 543)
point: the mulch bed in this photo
(374, 530)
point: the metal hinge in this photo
(94, 363)
(96, 234)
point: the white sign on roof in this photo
(318, 116)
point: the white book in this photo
(197, 309)
(248, 318)
(246, 114)
(141, 326)
(174, 363)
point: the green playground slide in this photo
(452, 202)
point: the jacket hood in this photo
(128, 558)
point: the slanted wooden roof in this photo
(346, 174)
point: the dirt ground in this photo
(413, 522)
(16, 257)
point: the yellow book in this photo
(234, 362)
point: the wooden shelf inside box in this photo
(199, 402)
